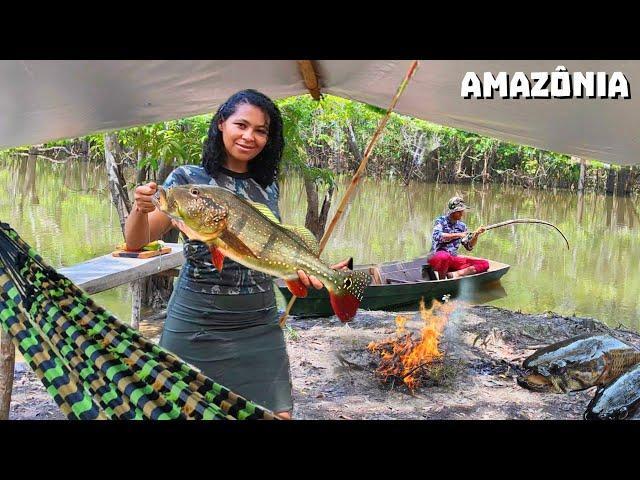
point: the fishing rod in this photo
(356, 178)
(518, 220)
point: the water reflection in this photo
(598, 277)
(485, 293)
(63, 210)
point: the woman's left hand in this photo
(310, 280)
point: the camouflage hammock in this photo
(93, 365)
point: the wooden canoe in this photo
(400, 286)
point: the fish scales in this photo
(233, 227)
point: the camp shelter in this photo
(48, 100)
(44, 100)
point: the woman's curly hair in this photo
(264, 167)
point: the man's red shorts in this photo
(443, 262)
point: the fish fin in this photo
(217, 257)
(297, 288)
(308, 238)
(236, 244)
(344, 306)
(266, 211)
(301, 233)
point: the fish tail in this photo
(346, 298)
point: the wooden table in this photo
(106, 272)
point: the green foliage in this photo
(178, 139)
(321, 140)
(291, 333)
(309, 130)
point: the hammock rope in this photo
(92, 364)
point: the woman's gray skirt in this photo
(233, 339)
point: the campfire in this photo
(410, 360)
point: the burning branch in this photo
(408, 359)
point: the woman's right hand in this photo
(142, 197)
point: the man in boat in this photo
(449, 232)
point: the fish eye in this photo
(194, 191)
(623, 413)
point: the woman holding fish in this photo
(222, 316)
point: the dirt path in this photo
(333, 374)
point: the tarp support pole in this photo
(310, 77)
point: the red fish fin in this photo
(297, 288)
(217, 257)
(345, 306)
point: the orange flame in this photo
(403, 356)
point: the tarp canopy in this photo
(48, 100)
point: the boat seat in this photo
(396, 280)
(394, 275)
(375, 274)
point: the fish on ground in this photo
(578, 363)
(617, 400)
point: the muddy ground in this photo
(333, 373)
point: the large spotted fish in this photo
(251, 235)
(578, 363)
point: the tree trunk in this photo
(353, 147)
(324, 211)
(583, 172)
(416, 157)
(30, 179)
(611, 180)
(623, 184)
(137, 289)
(488, 158)
(460, 169)
(84, 150)
(7, 363)
(117, 183)
(337, 137)
(312, 219)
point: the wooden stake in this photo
(137, 289)
(7, 363)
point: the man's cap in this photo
(456, 204)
